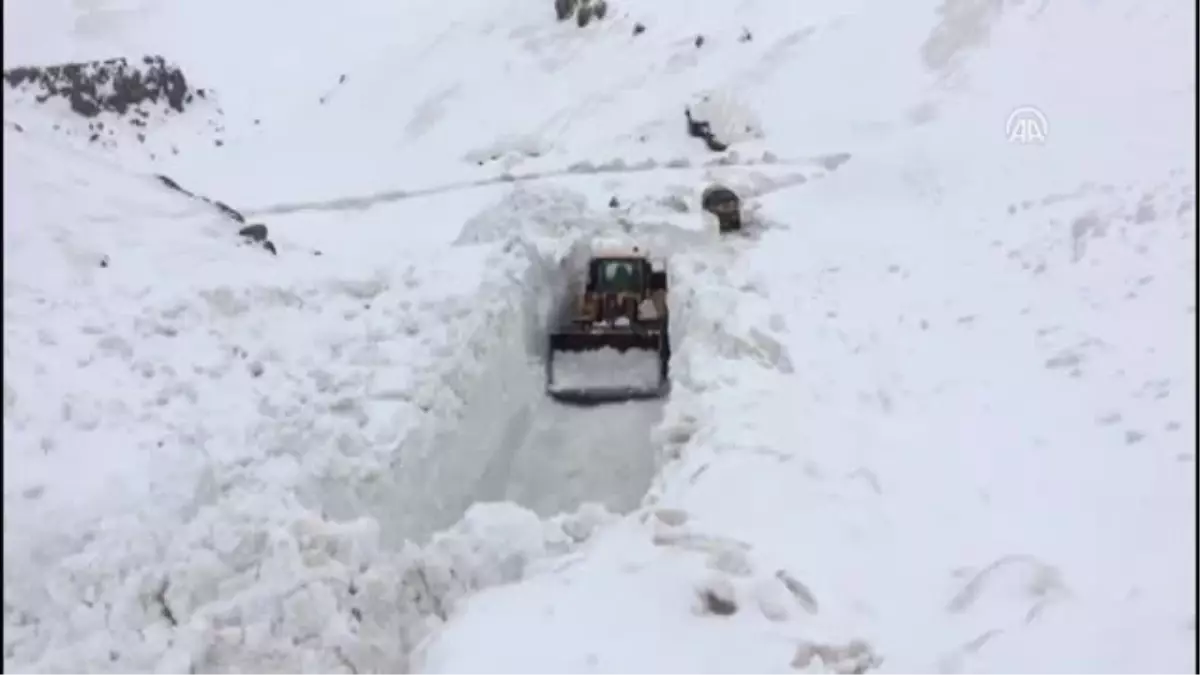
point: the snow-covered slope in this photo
(938, 414)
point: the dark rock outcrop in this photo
(583, 10)
(703, 130)
(170, 183)
(113, 85)
(254, 233)
(226, 209)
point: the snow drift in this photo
(278, 527)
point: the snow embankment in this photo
(882, 455)
(836, 499)
(946, 420)
(218, 459)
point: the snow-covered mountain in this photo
(936, 414)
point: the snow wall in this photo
(492, 379)
(294, 546)
(298, 543)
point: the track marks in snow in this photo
(585, 168)
(1117, 252)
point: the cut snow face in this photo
(315, 414)
(635, 370)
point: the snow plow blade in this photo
(596, 368)
(597, 396)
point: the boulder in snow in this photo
(720, 120)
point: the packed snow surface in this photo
(934, 410)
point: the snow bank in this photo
(484, 381)
(865, 380)
(225, 469)
(801, 519)
(942, 419)
(692, 567)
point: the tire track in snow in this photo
(615, 167)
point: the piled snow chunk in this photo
(636, 369)
(729, 119)
(173, 441)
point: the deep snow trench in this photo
(327, 426)
(502, 438)
(544, 455)
(554, 458)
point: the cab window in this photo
(619, 276)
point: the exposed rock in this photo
(256, 232)
(227, 210)
(112, 85)
(253, 233)
(170, 183)
(564, 9)
(583, 10)
(702, 130)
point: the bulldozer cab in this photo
(621, 276)
(611, 276)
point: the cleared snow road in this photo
(575, 455)
(509, 441)
(552, 457)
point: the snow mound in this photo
(208, 451)
(727, 119)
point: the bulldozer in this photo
(615, 335)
